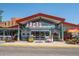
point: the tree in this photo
(1, 11)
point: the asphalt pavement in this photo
(36, 51)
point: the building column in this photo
(59, 36)
(62, 29)
(59, 33)
(51, 35)
(4, 35)
(18, 33)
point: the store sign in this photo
(35, 24)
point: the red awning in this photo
(75, 30)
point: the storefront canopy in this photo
(73, 30)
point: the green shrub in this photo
(72, 41)
(8, 40)
(31, 40)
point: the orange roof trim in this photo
(40, 14)
(15, 26)
(70, 24)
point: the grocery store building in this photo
(39, 26)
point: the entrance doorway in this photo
(55, 37)
(40, 35)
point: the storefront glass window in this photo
(47, 33)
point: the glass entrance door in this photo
(55, 37)
(40, 35)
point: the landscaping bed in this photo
(72, 41)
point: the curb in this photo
(40, 45)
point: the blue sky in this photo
(68, 11)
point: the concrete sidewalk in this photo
(51, 45)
